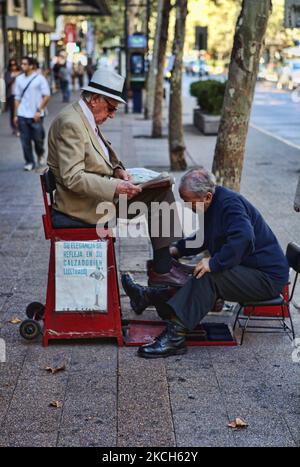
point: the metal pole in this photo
(126, 54)
(148, 24)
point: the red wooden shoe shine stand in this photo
(72, 325)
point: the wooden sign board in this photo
(81, 276)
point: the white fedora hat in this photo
(107, 82)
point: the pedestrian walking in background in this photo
(80, 74)
(89, 69)
(36, 66)
(55, 71)
(31, 98)
(64, 82)
(10, 83)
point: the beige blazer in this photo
(82, 172)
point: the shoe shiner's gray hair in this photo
(199, 181)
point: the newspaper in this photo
(147, 178)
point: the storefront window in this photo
(47, 40)
(24, 43)
(34, 44)
(41, 50)
(29, 39)
(11, 44)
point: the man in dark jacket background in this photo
(245, 262)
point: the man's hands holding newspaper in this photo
(125, 187)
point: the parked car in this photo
(289, 76)
(196, 67)
(295, 73)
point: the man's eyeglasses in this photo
(110, 108)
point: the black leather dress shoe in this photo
(141, 297)
(170, 342)
(139, 300)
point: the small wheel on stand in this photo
(35, 310)
(30, 329)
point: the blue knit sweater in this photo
(235, 233)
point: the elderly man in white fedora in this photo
(88, 172)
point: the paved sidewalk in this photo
(110, 396)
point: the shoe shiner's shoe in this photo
(141, 297)
(170, 342)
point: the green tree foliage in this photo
(220, 17)
(111, 27)
(209, 95)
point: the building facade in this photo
(28, 24)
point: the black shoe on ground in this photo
(170, 342)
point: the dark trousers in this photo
(163, 228)
(160, 222)
(80, 80)
(63, 221)
(31, 131)
(239, 284)
(65, 89)
(11, 108)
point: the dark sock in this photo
(181, 329)
(162, 260)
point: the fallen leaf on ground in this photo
(56, 404)
(55, 369)
(88, 418)
(238, 422)
(15, 321)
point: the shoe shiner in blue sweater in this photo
(245, 263)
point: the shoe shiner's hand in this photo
(127, 188)
(123, 175)
(174, 252)
(201, 268)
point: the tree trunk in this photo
(176, 138)
(133, 16)
(148, 111)
(159, 86)
(248, 42)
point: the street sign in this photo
(137, 41)
(70, 33)
(292, 14)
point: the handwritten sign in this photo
(81, 276)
